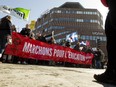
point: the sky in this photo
(38, 7)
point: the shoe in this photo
(24, 62)
(19, 62)
(105, 78)
(0, 55)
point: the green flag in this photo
(26, 12)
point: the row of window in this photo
(84, 37)
(75, 12)
(70, 20)
(76, 20)
(62, 33)
(65, 27)
(56, 27)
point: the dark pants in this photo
(110, 30)
(3, 40)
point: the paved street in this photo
(17, 75)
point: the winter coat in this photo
(5, 26)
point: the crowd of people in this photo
(6, 29)
(99, 61)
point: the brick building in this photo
(73, 17)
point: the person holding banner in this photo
(5, 32)
(26, 31)
(109, 76)
(43, 37)
(14, 28)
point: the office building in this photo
(72, 18)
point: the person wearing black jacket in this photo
(42, 38)
(109, 76)
(97, 55)
(5, 32)
(26, 31)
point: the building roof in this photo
(72, 5)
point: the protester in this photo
(109, 76)
(77, 46)
(84, 48)
(102, 59)
(11, 58)
(5, 31)
(7, 57)
(52, 40)
(41, 37)
(32, 36)
(45, 38)
(97, 56)
(68, 44)
(26, 31)
(13, 27)
(89, 50)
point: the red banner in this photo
(29, 48)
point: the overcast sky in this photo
(37, 7)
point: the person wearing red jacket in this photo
(109, 76)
